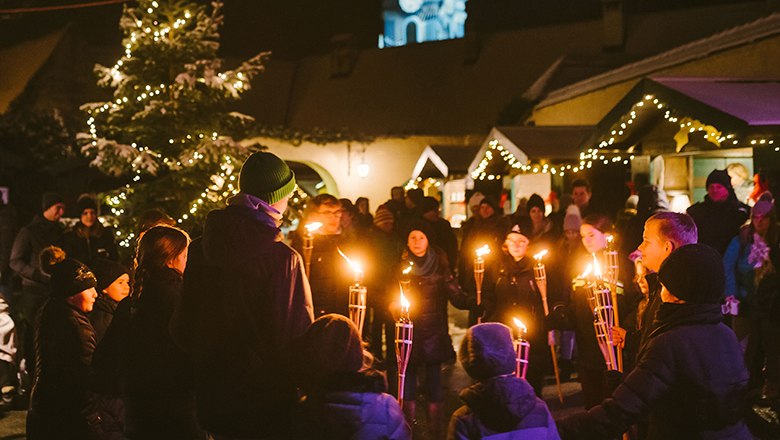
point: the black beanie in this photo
(85, 202)
(488, 351)
(50, 199)
(331, 345)
(106, 272)
(694, 273)
(720, 176)
(490, 200)
(535, 200)
(428, 204)
(266, 176)
(422, 226)
(69, 277)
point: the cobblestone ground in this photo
(763, 420)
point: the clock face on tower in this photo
(410, 6)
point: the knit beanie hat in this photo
(720, 176)
(106, 272)
(535, 201)
(488, 351)
(266, 176)
(383, 215)
(428, 204)
(70, 277)
(573, 220)
(694, 273)
(476, 199)
(331, 345)
(50, 199)
(490, 200)
(85, 202)
(763, 206)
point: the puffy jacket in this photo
(502, 408)
(356, 409)
(690, 378)
(61, 397)
(88, 244)
(245, 298)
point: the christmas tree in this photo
(168, 132)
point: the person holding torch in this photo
(430, 286)
(510, 291)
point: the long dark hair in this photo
(159, 246)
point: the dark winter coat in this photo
(62, 404)
(382, 283)
(690, 378)
(101, 315)
(88, 244)
(431, 286)
(513, 293)
(502, 405)
(353, 406)
(159, 375)
(245, 298)
(718, 222)
(330, 275)
(28, 245)
(444, 238)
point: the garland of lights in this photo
(598, 155)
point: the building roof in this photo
(444, 161)
(761, 28)
(733, 112)
(461, 86)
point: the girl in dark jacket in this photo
(511, 292)
(431, 286)
(62, 405)
(591, 367)
(344, 396)
(159, 402)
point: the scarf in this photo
(262, 210)
(425, 265)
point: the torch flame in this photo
(352, 264)
(588, 270)
(311, 227)
(610, 238)
(596, 267)
(408, 269)
(519, 324)
(484, 250)
(540, 255)
(404, 302)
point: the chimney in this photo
(343, 55)
(613, 25)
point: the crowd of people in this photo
(239, 335)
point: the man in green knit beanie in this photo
(245, 298)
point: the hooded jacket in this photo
(245, 298)
(502, 404)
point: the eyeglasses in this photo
(335, 213)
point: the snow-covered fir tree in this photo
(168, 131)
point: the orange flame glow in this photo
(538, 257)
(484, 250)
(311, 227)
(355, 266)
(520, 326)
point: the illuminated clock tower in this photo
(417, 21)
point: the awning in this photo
(442, 161)
(665, 115)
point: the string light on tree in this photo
(152, 132)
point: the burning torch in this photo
(522, 349)
(357, 295)
(308, 245)
(404, 331)
(479, 273)
(540, 274)
(600, 300)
